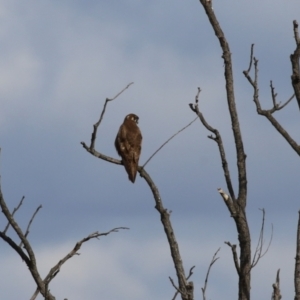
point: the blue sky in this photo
(59, 60)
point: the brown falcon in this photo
(129, 144)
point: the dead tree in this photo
(235, 201)
(269, 114)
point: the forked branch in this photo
(258, 254)
(218, 139)
(235, 256)
(277, 105)
(55, 270)
(96, 125)
(30, 260)
(185, 288)
(214, 259)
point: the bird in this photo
(128, 144)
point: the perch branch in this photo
(184, 287)
(100, 155)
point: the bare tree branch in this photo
(17, 248)
(295, 63)
(229, 202)
(176, 288)
(55, 270)
(251, 58)
(190, 274)
(241, 156)
(169, 141)
(276, 288)
(15, 210)
(240, 202)
(30, 222)
(32, 265)
(214, 259)
(258, 254)
(184, 287)
(96, 125)
(100, 155)
(218, 139)
(276, 106)
(297, 263)
(235, 257)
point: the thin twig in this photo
(185, 288)
(190, 274)
(251, 58)
(259, 248)
(15, 209)
(286, 103)
(176, 288)
(54, 271)
(169, 140)
(214, 259)
(31, 261)
(30, 222)
(277, 106)
(96, 125)
(75, 250)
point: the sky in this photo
(60, 60)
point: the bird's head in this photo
(132, 117)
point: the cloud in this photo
(58, 63)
